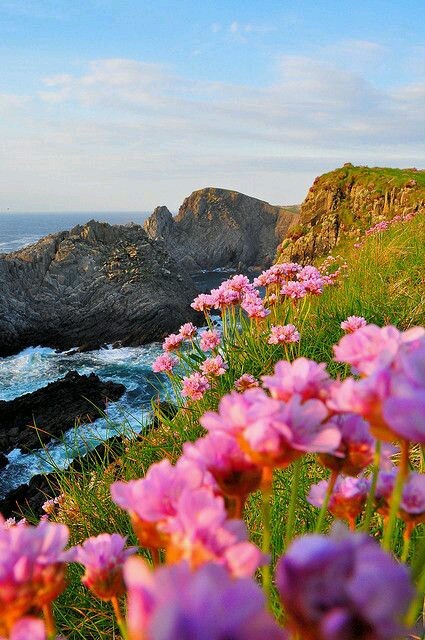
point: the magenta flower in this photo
(347, 499)
(412, 505)
(352, 323)
(164, 363)
(210, 339)
(343, 587)
(195, 386)
(356, 449)
(172, 342)
(283, 334)
(294, 290)
(188, 331)
(151, 501)
(27, 628)
(204, 302)
(103, 558)
(178, 603)
(303, 377)
(214, 367)
(253, 305)
(246, 381)
(32, 568)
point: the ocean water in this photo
(35, 367)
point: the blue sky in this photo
(123, 105)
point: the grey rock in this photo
(96, 284)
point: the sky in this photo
(122, 105)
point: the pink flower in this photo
(294, 290)
(356, 449)
(236, 411)
(195, 386)
(253, 305)
(347, 499)
(352, 323)
(164, 363)
(283, 334)
(176, 603)
(204, 302)
(103, 558)
(188, 330)
(214, 366)
(210, 339)
(246, 381)
(32, 568)
(302, 377)
(172, 342)
(151, 501)
(27, 628)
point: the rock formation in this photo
(95, 284)
(348, 201)
(220, 228)
(52, 410)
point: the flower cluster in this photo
(383, 225)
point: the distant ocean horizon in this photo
(19, 229)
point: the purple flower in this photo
(343, 588)
(356, 449)
(347, 499)
(176, 603)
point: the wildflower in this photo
(210, 339)
(50, 505)
(343, 586)
(283, 334)
(204, 302)
(214, 366)
(195, 386)
(246, 381)
(347, 499)
(164, 363)
(11, 522)
(176, 602)
(294, 290)
(412, 504)
(352, 323)
(188, 330)
(103, 558)
(356, 449)
(303, 377)
(172, 342)
(27, 628)
(253, 305)
(32, 568)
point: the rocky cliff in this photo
(221, 228)
(95, 284)
(346, 202)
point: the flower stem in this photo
(396, 495)
(407, 536)
(372, 490)
(266, 493)
(156, 557)
(289, 534)
(49, 621)
(322, 514)
(119, 618)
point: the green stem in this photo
(406, 545)
(119, 618)
(417, 604)
(289, 534)
(372, 490)
(323, 509)
(49, 621)
(266, 510)
(396, 495)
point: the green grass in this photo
(384, 283)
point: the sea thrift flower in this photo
(352, 323)
(178, 603)
(103, 558)
(347, 499)
(294, 290)
(27, 628)
(188, 330)
(253, 305)
(151, 501)
(356, 449)
(50, 505)
(204, 302)
(214, 366)
(210, 339)
(412, 505)
(172, 342)
(343, 587)
(195, 386)
(32, 569)
(283, 334)
(246, 381)
(164, 363)
(303, 377)
(11, 522)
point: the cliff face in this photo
(92, 285)
(221, 228)
(348, 201)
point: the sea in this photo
(36, 366)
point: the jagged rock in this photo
(349, 199)
(95, 284)
(220, 228)
(49, 412)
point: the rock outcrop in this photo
(348, 201)
(37, 417)
(220, 228)
(95, 284)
